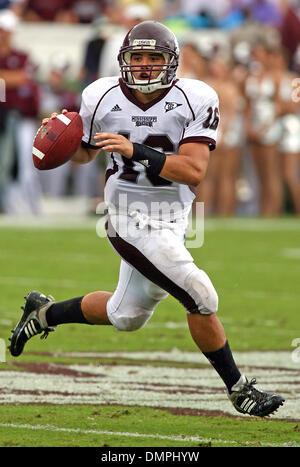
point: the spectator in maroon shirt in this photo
(18, 115)
(17, 70)
(68, 11)
(49, 10)
(290, 29)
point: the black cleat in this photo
(249, 400)
(32, 322)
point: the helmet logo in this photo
(144, 42)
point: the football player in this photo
(159, 131)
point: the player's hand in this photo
(53, 115)
(112, 142)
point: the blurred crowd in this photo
(255, 71)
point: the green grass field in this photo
(254, 265)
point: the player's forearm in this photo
(188, 167)
(83, 155)
(179, 169)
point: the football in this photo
(57, 141)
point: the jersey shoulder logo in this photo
(116, 108)
(171, 106)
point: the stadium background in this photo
(91, 386)
(69, 44)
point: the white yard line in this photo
(149, 386)
(195, 439)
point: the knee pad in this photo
(200, 288)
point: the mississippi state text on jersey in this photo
(188, 111)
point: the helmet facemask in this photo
(146, 86)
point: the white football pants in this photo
(154, 263)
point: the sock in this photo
(223, 362)
(68, 311)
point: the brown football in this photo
(57, 141)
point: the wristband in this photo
(150, 158)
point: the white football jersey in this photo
(186, 112)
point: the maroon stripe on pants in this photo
(136, 259)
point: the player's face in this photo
(147, 65)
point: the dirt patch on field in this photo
(181, 390)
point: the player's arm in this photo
(187, 167)
(84, 154)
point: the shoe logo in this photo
(30, 329)
(116, 108)
(171, 106)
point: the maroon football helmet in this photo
(149, 36)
